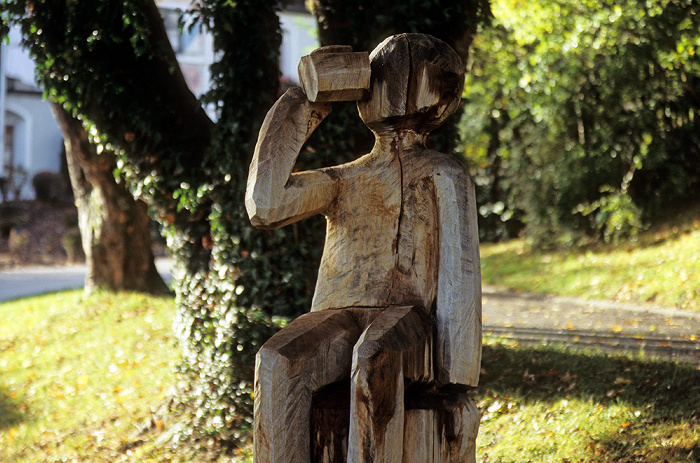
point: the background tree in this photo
(583, 116)
(110, 63)
(115, 228)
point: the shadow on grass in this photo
(540, 373)
(667, 393)
(10, 411)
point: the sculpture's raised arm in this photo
(274, 195)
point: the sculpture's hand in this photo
(317, 111)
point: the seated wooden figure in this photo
(396, 315)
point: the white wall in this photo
(37, 141)
(19, 65)
(299, 38)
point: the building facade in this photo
(30, 139)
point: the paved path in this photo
(527, 318)
(34, 280)
(603, 324)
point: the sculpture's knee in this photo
(377, 374)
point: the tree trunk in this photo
(115, 228)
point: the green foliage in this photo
(567, 97)
(615, 215)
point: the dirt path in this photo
(606, 325)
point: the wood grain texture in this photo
(459, 280)
(397, 337)
(330, 415)
(335, 74)
(416, 83)
(445, 433)
(313, 351)
(400, 272)
(274, 196)
(439, 426)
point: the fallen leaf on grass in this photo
(614, 393)
(496, 406)
(528, 377)
(620, 380)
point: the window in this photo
(8, 150)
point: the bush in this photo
(49, 187)
(581, 118)
(18, 242)
(11, 216)
(615, 215)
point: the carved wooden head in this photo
(416, 83)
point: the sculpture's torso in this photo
(385, 252)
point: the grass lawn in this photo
(79, 379)
(556, 404)
(662, 267)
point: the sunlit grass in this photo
(663, 267)
(551, 404)
(79, 376)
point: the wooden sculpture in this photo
(379, 370)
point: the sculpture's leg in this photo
(312, 351)
(462, 427)
(392, 345)
(441, 428)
